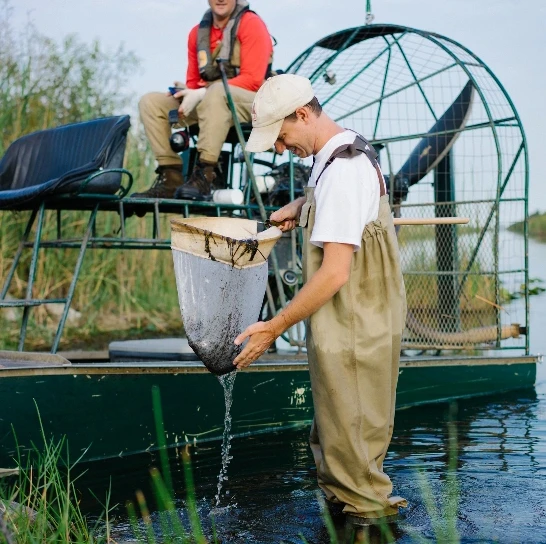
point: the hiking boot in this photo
(168, 179)
(204, 178)
(365, 521)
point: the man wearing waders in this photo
(353, 296)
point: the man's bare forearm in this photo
(322, 286)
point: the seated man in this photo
(228, 30)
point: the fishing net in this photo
(221, 275)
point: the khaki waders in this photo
(353, 346)
(212, 114)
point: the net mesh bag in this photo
(221, 275)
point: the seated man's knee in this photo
(215, 92)
(146, 102)
(154, 102)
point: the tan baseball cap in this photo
(277, 98)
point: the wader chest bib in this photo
(353, 346)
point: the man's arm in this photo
(256, 49)
(324, 284)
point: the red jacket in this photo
(256, 49)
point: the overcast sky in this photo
(508, 35)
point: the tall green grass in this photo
(42, 505)
(444, 509)
(115, 292)
(45, 83)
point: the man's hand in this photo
(286, 218)
(190, 99)
(176, 84)
(262, 335)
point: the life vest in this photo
(229, 49)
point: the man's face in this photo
(222, 8)
(297, 137)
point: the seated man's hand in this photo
(190, 100)
(261, 335)
(177, 84)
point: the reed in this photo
(42, 506)
(477, 299)
(115, 291)
(44, 83)
(410, 233)
(443, 508)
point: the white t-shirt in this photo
(347, 195)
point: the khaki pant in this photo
(353, 345)
(212, 114)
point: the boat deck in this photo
(93, 363)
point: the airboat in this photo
(450, 143)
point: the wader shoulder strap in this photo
(348, 151)
(206, 59)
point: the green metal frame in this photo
(397, 32)
(124, 207)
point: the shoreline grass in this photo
(41, 506)
(46, 83)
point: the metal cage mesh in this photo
(466, 285)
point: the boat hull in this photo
(105, 410)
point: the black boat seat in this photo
(59, 160)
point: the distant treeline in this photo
(537, 226)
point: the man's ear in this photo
(302, 114)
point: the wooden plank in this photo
(430, 220)
(26, 359)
